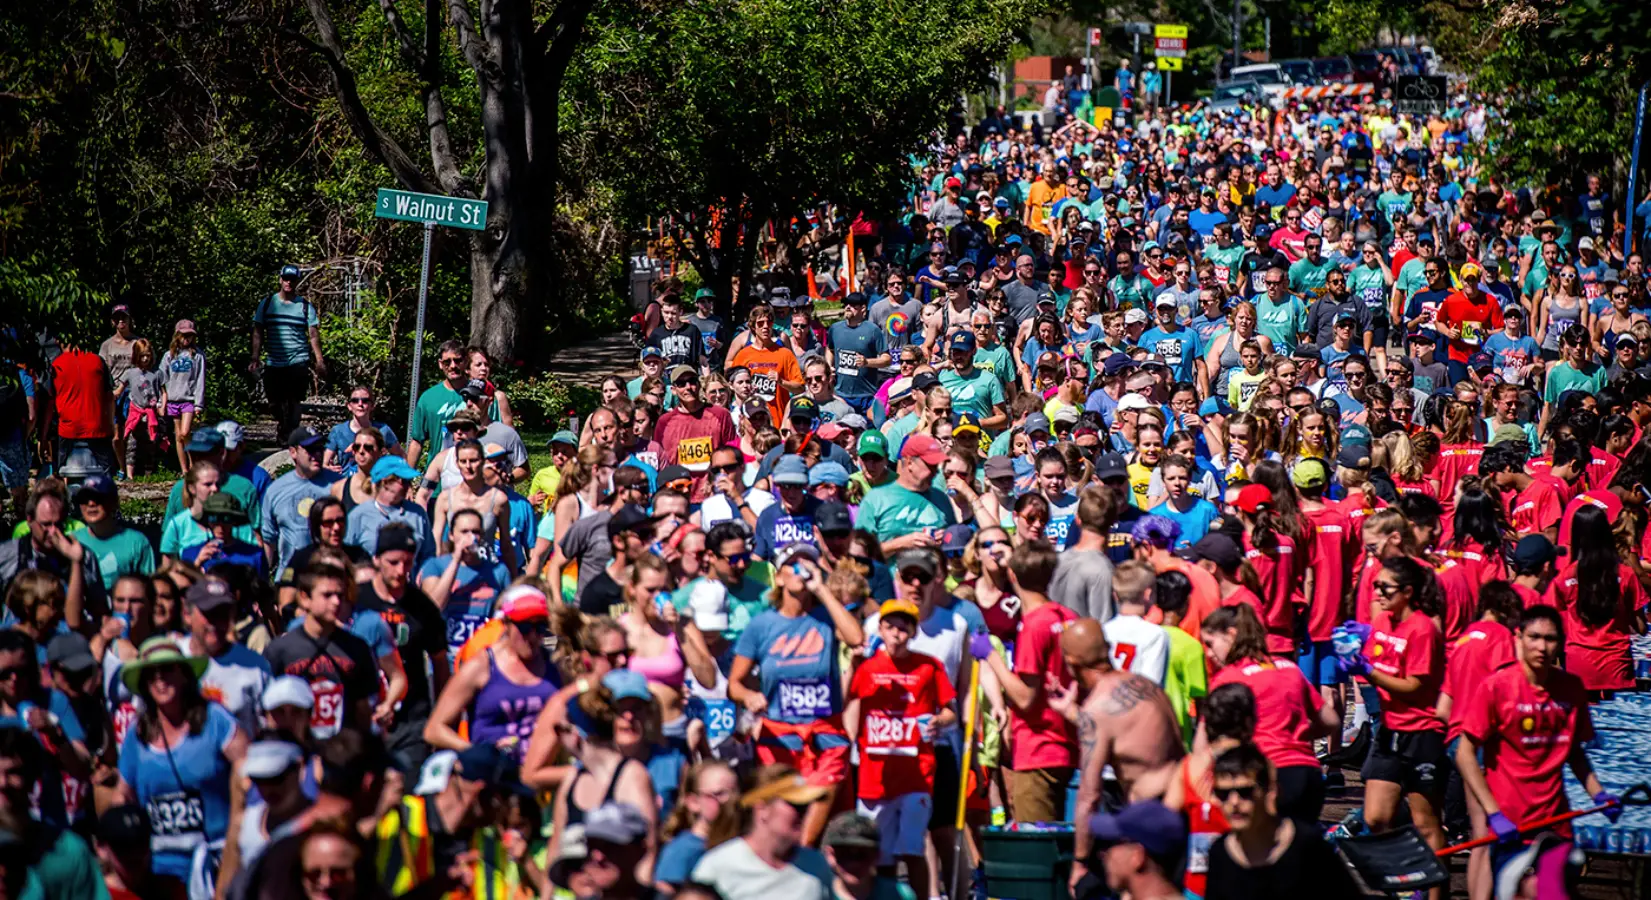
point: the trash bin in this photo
(1027, 864)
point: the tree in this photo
(512, 64)
(729, 115)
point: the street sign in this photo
(454, 212)
(1094, 37)
(1169, 63)
(1170, 46)
(1170, 31)
(1420, 94)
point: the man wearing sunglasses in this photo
(439, 401)
(689, 433)
(1248, 858)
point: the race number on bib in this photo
(460, 629)
(793, 530)
(805, 699)
(888, 735)
(764, 386)
(1473, 333)
(694, 453)
(1170, 350)
(719, 717)
(1058, 529)
(177, 820)
(327, 716)
(849, 363)
(1258, 281)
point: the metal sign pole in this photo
(418, 335)
(1633, 173)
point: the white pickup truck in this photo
(1270, 76)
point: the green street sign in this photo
(453, 212)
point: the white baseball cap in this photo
(1135, 316)
(269, 759)
(435, 773)
(288, 690)
(1133, 401)
(709, 601)
(233, 433)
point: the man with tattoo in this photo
(1124, 721)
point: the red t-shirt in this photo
(85, 396)
(1537, 507)
(1461, 593)
(1413, 647)
(1528, 732)
(1333, 552)
(1285, 708)
(1277, 573)
(1601, 469)
(1455, 460)
(1530, 595)
(1363, 606)
(1476, 319)
(687, 439)
(894, 758)
(1484, 566)
(1590, 497)
(1484, 648)
(1043, 739)
(1598, 654)
(1354, 508)
(1400, 257)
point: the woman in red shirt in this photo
(1404, 657)
(1290, 713)
(1478, 533)
(1227, 718)
(1601, 602)
(1459, 450)
(1272, 554)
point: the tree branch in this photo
(377, 142)
(469, 43)
(410, 51)
(442, 156)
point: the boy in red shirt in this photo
(1467, 317)
(897, 702)
(1531, 720)
(1534, 503)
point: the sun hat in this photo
(158, 651)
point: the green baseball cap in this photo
(873, 442)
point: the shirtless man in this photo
(1123, 719)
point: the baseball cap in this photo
(873, 442)
(962, 340)
(630, 517)
(856, 298)
(1133, 401)
(852, 830)
(1066, 415)
(922, 381)
(791, 788)
(270, 759)
(915, 558)
(626, 683)
(1355, 434)
(125, 827)
(1505, 433)
(1532, 553)
(828, 472)
(1310, 473)
(1472, 270)
(1117, 363)
(709, 602)
(70, 653)
(234, 434)
(494, 451)
(392, 467)
(1481, 361)
(223, 509)
(965, 421)
(854, 422)
(1254, 498)
(209, 594)
(288, 690)
(898, 607)
(1164, 299)
(955, 538)
(1219, 549)
(303, 436)
(205, 440)
(1110, 465)
(705, 293)
(184, 326)
(679, 371)
(803, 408)
(1587, 243)
(523, 603)
(1035, 422)
(651, 353)
(790, 469)
(1353, 456)
(831, 430)
(999, 467)
(784, 555)
(1135, 316)
(674, 472)
(925, 448)
(1149, 823)
(473, 390)
(289, 271)
(615, 823)
(1049, 360)
(832, 517)
(102, 487)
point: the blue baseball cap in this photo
(289, 271)
(623, 683)
(1149, 823)
(790, 469)
(392, 467)
(828, 472)
(97, 487)
(205, 440)
(962, 340)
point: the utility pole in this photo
(1633, 172)
(1238, 36)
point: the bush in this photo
(542, 401)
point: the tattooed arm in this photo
(1093, 750)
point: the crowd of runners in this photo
(1161, 480)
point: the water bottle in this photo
(1642, 667)
(1587, 837)
(1613, 839)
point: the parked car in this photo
(1367, 66)
(1301, 72)
(1270, 76)
(1334, 69)
(1410, 62)
(1233, 94)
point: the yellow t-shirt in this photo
(545, 481)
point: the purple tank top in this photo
(506, 710)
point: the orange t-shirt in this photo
(768, 369)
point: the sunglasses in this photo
(451, 361)
(1385, 588)
(1223, 794)
(916, 576)
(359, 400)
(739, 558)
(363, 448)
(617, 657)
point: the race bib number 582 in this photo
(805, 699)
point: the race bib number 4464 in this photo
(694, 453)
(805, 699)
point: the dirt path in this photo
(589, 362)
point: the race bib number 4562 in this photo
(810, 699)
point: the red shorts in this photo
(817, 750)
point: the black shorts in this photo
(946, 775)
(289, 384)
(1414, 760)
(1378, 332)
(1300, 793)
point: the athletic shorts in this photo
(174, 410)
(1317, 660)
(902, 823)
(1378, 333)
(818, 750)
(1414, 760)
(286, 383)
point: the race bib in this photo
(888, 735)
(177, 820)
(1170, 350)
(764, 385)
(719, 717)
(1223, 273)
(327, 716)
(694, 453)
(1258, 281)
(1246, 391)
(1430, 314)
(793, 530)
(1473, 333)
(125, 716)
(1057, 530)
(805, 699)
(1373, 297)
(849, 363)
(460, 629)
(1198, 852)
(650, 457)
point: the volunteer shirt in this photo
(797, 657)
(339, 667)
(892, 510)
(286, 511)
(1331, 556)
(1413, 647)
(1138, 646)
(420, 635)
(1528, 731)
(1285, 707)
(893, 693)
(851, 346)
(768, 369)
(1481, 651)
(1598, 654)
(1537, 507)
(1476, 320)
(1277, 573)
(1593, 497)
(1041, 738)
(470, 602)
(126, 552)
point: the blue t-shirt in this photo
(1195, 522)
(1179, 349)
(1275, 197)
(186, 790)
(853, 345)
(1511, 353)
(470, 602)
(677, 859)
(286, 325)
(798, 661)
(776, 527)
(286, 514)
(1204, 222)
(342, 436)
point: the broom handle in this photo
(1530, 826)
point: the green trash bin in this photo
(1027, 865)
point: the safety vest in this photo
(406, 855)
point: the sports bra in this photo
(666, 668)
(575, 815)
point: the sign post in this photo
(432, 210)
(1170, 43)
(1633, 174)
(1420, 94)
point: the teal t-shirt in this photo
(978, 393)
(1390, 203)
(68, 868)
(1134, 292)
(1410, 278)
(237, 486)
(126, 552)
(286, 328)
(435, 406)
(744, 603)
(898, 430)
(999, 361)
(1282, 322)
(183, 531)
(1307, 276)
(892, 511)
(1369, 283)
(1225, 260)
(1563, 377)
